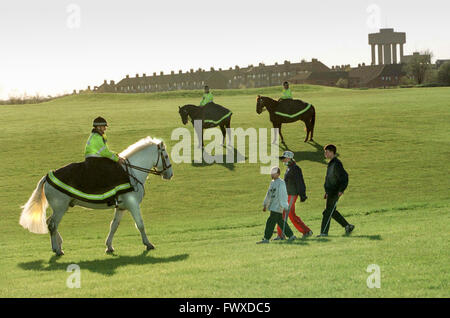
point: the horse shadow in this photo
(105, 267)
(231, 153)
(315, 156)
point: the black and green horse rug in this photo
(95, 180)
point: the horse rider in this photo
(286, 94)
(96, 146)
(103, 168)
(207, 97)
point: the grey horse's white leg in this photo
(136, 213)
(55, 237)
(114, 225)
(59, 202)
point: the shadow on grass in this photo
(370, 237)
(104, 266)
(230, 151)
(296, 242)
(315, 156)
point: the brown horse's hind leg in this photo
(308, 131)
(224, 132)
(312, 124)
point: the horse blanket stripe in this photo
(218, 121)
(214, 113)
(296, 114)
(97, 180)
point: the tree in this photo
(444, 74)
(418, 66)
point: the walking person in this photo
(276, 200)
(295, 186)
(336, 181)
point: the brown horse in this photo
(288, 111)
(211, 115)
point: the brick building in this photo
(237, 77)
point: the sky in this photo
(52, 47)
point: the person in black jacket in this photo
(295, 186)
(336, 181)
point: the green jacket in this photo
(96, 147)
(207, 98)
(287, 94)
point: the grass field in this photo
(395, 145)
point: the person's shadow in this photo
(316, 155)
(104, 266)
(229, 157)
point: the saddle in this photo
(95, 180)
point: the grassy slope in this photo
(394, 144)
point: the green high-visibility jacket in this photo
(287, 94)
(96, 147)
(207, 98)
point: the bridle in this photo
(186, 113)
(152, 170)
(259, 103)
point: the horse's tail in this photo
(34, 211)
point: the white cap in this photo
(287, 154)
(274, 170)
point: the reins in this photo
(152, 170)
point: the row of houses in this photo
(313, 72)
(369, 76)
(238, 77)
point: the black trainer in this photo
(349, 229)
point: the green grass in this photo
(205, 221)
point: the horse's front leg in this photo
(275, 135)
(113, 227)
(277, 127)
(203, 145)
(199, 133)
(136, 213)
(281, 136)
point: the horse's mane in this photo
(196, 107)
(139, 145)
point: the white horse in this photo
(145, 156)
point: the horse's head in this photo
(259, 104)
(184, 114)
(163, 165)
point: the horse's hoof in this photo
(150, 246)
(60, 253)
(109, 250)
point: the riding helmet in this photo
(100, 121)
